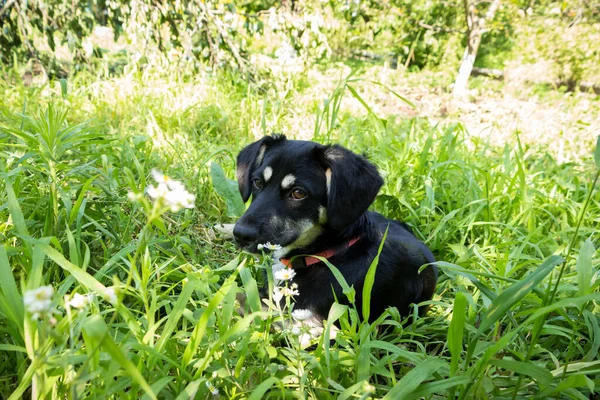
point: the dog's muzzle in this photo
(244, 234)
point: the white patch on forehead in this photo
(267, 173)
(322, 215)
(261, 154)
(288, 181)
(328, 178)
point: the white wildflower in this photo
(290, 291)
(171, 192)
(212, 388)
(281, 291)
(161, 178)
(158, 192)
(285, 274)
(269, 246)
(134, 197)
(38, 301)
(301, 314)
(180, 198)
(295, 330)
(79, 301)
(110, 295)
(277, 294)
(286, 53)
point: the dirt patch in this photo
(566, 123)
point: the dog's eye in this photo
(258, 183)
(298, 194)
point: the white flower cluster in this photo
(281, 291)
(269, 246)
(80, 301)
(38, 302)
(283, 274)
(169, 192)
(284, 287)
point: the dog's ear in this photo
(249, 159)
(352, 184)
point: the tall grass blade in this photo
(259, 392)
(15, 310)
(456, 331)
(509, 297)
(96, 327)
(584, 268)
(412, 380)
(441, 387)
(542, 376)
(370, 280)
(597, 153)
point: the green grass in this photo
(516, 312)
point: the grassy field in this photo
(516, 314)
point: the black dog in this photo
(312, 200)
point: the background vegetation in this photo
(97, 94)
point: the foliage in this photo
(510, 318)
(223, 33)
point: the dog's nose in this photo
(244, 234)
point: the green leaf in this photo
(370, 280)
(251, 290)
(63, 88)
(10, 293)
(412, 380)
(511, 296)
(261, 389)
(597, 153)
(200, 328)
(15, 211)
(346, 394)
(96, 328)
(456, 331)
(398, 352)
(364, 104)
(542, 376)
(346, 289)
(404, 99)
(584, 268)
(175, 314)
(440, 387)
(228, 190)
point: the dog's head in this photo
(299, 190)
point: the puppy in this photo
(312, 199)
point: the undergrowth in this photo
(516, 313)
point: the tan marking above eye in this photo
(267, 173)
(288, 181)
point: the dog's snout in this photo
(245, 234)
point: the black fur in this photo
(275, 216)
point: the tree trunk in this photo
(475, 29)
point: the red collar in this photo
(310, 260)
